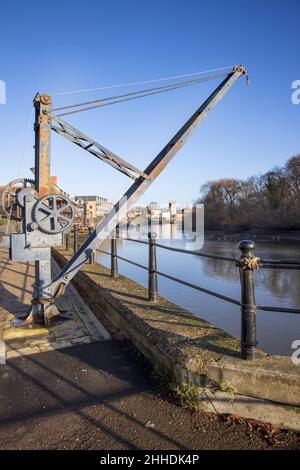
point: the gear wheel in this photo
(8, 196)
(54, 213)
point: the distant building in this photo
(172, 208)
(92, 207)
(156, 212)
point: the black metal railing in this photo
(247, 263)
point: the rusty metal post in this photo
(42, 129)
(92, 257)
(248, 307)
(152, 280)
(75, 239)
(114, 257)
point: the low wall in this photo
(196, 358)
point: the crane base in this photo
(43, 312)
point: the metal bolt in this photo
(45, 99)
(34, 226)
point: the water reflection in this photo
(283, 284)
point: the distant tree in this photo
(271, 200)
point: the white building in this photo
(92, 207)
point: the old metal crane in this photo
(46, 214)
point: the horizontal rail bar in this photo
(133, 262)
(104, 252)
(276, 264)
(279, 266)
(279, 309)
(135, 240)
(125, 259)
(180, 250)
(281, 261)
(201, 289)
(196, 253)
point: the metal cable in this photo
(145, 90)
(123, 85)
(175, 87)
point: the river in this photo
(273, 287)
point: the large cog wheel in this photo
(8, 196)
(54, 213)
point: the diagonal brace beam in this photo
(90, 145)
(107, 225)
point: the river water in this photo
(273, 287)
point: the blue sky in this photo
(60, 46)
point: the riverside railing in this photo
(247, 263)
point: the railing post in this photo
(114, 257)
(118, 231)
(67, 239)
(248, 307)
(75, 239)
(152, 281)
(92, 257)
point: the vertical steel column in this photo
(152, 282)
(248, 307)
(42, 129)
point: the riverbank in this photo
(253, 234)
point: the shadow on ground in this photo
(102, 396)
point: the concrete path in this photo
(16, 281)
(95, 393)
